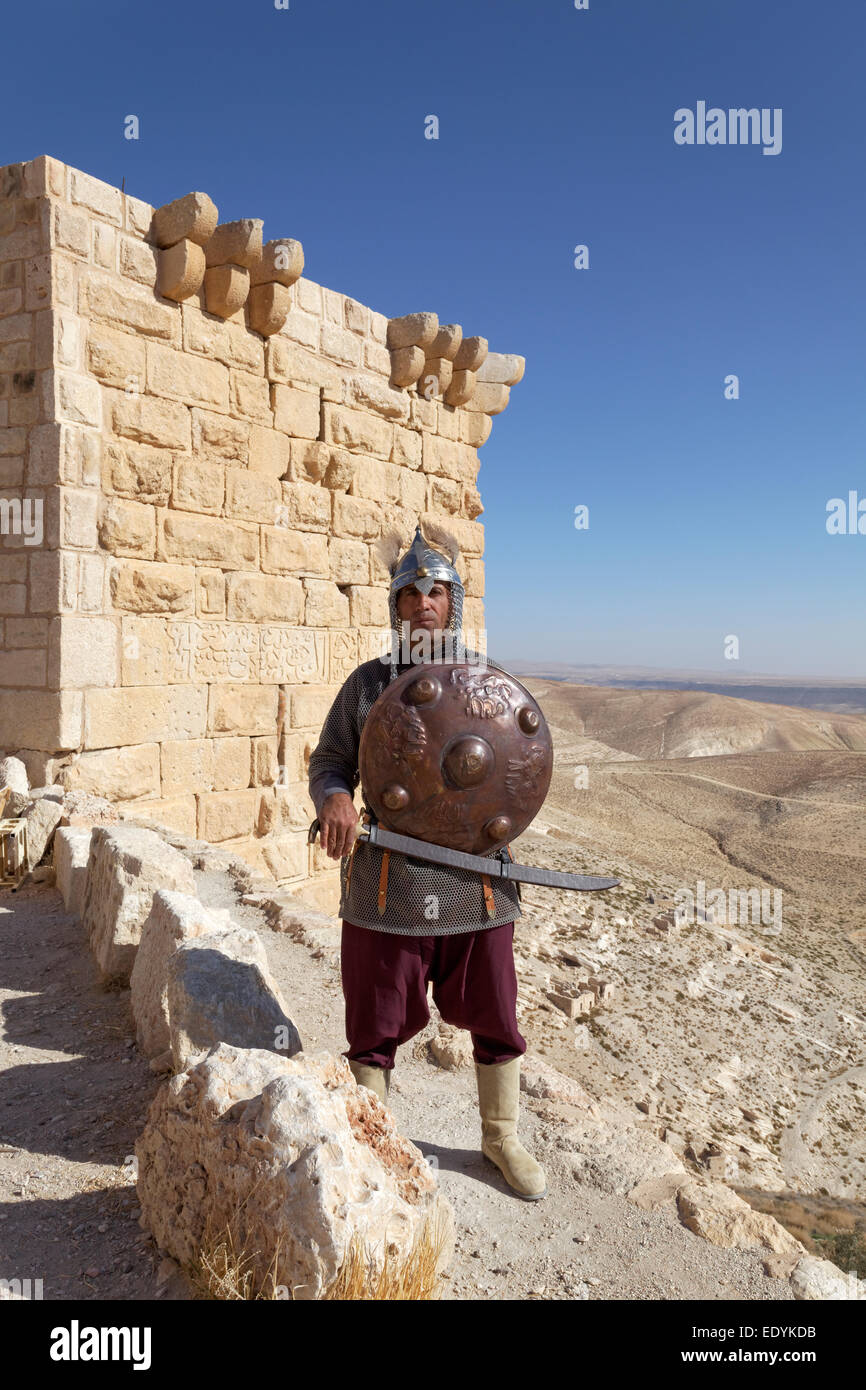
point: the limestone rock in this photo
(489, 397)
(452, 1048)
(219, 990)
(226, 288)
(193, 218)
(42, 817)
(85, 809)
(269, 308)
(282, 262)
(292, 1157)
(412, 330)
(470, 354)
(447, 341)
(181, 270)
(814, 1280)
(173, 918)
(502, 367)
(715, 1212)
(539, 1079)
(461, 388)
(616, 1159)
(71, 855)
(13, 774)
(407, 364)
(236, 243)
(126, 866)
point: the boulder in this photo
(715, 1212)
(13, 774)
(616, 1159)
(42, 817)
(292, 1159)
(219, 990)
(814, 1279)
(173, 918)
(539, 1079)
(71, 856)
(126, 866)
(452, 1048)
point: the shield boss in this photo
(457, 754)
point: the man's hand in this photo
(338, 821)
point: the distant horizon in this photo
(692, 672)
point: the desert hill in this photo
(652, 724)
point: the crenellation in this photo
(217, 442)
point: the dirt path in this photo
(73, 1098)
(75, 1094)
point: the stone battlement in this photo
(212, 444)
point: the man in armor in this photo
(407, 922)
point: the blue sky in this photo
(707, 516)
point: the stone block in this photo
(198, 487)
(296, 412)
(71, 857)
(174, 918)
(213, 541)
(470, 354)
(231, 763)
(152, 588)
(118, 774)
(407, 364)
(447, 342)
(186, 765)
(299, 553)
(236, 243)
(264, 598)
(126, 866)
(137, 472)
(269, 452)
(282, 261)
(121, 304)
(252, 496)
(150, 714)
(192, 218)
(127, 528)
(242, 709)
(412, 330)
(325, 605)
(183, 377)
(226, 815)
(305, 506)
(146, 420)
(269, 307)
(503, 368)
(181, 270)
(226, 288)
(83, 650)
(489, 397)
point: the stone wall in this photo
(209, 444)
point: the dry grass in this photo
(226, 1272)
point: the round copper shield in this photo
(458, 754)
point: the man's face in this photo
(424, 612)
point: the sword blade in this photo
(479, 864)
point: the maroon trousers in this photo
(385, 979)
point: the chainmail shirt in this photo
(415, 887)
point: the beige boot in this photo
(498, 1101)
(376, 1079)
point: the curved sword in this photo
(475, 863)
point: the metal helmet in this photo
(423, 566)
